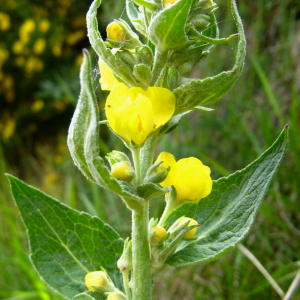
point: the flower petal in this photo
(163, 104)
(169, 161)
(107, 81)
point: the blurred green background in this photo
(40, 55)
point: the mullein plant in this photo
(80, 256)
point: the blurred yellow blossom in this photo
(134, 113)
(8, 129)
(4, 55)
(56, 50)
(18, 47)
(39, 46)
(44, 25)
(20, 61)
(4, 21)
(75, 37)
(33, 64)
(189, 176)
(37, 105)
(25, 30)
(79, 59)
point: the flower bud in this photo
(125, 261)
(144, 55)
(115, 32)
(120, 35)
(117, 156)
(122, 171)
(201, 22)
(116, 296)
(157, 235)
(99, 279)
(190, 233)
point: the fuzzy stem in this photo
(126, 286)
(137, 164)
(141, 259)
(168, 209)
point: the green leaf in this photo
(226, 215)
(212, 89)
(148, 4)
(89, 296)
(133, 16)
(83, 137)
(65, 244)
(167, 28)
(116, 65)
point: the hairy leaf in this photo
(89, 296)
(65, 244)
(167, 28)
(226, 215)
(212, 89)
(133, 16)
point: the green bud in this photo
(125, 261)
(157, 173)
(143, 74)
(144, 55)
(173, 77)
(201, 22)
(117, 156)
(127, 57)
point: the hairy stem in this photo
(141, 275)
(137, 164)
(126, 286)
(159, 62)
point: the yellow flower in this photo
(44, 25)
(115, 296)
(189, 176)
(168, 3)
(4, 21)
(108, 81)
(39, 46)
(115, 32)
(75, 37)
(95, 278)
(122, 171)
(191, 233)
(18, 47)
(133, 113)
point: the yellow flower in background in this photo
(25, 30)
(17, 47)
(4, 21)
(37, 105)
(44, 25)
(107, 80)
(4, 55)
(191, 233)
(33, 64)
(9, 129)
(95, 278)
(115, 32)
(133, 113)
(75, 37)
(39, 46)
(189, 176)
(56, 50)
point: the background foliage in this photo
(40, 54)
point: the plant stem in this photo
(168, 209)
(126, 286)
(159, 63)
(141, 259)
(260, 267)
(293, 287)
(137, 164)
